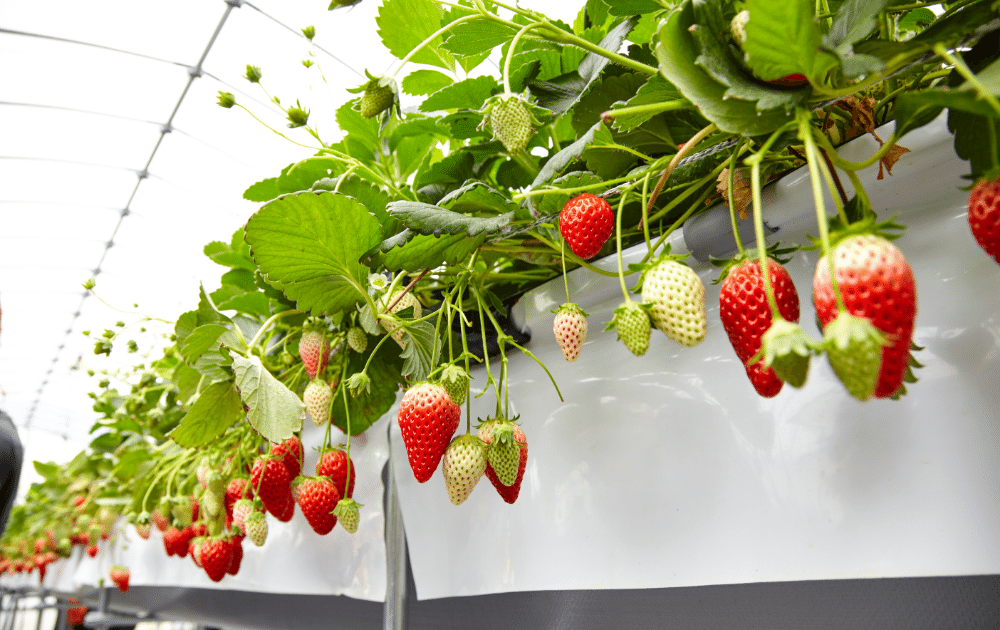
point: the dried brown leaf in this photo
(890, 158)
(742, 194)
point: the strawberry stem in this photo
(441, 31)
(562, 257)
(688, 146)
(645, 198)
(758, 219)
(968, 75)
(510, 54)
(618, 246)
(347, 419)
(729, 194)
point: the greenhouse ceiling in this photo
(116, 164)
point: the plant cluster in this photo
(388, 259)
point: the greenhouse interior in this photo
(288, 288)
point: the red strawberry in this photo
(273, 482)
(317, 498)
(120, 576)
(333, 464)
(508, 493)
(314, 349)
(235, 490)
(586, 222)
(79, 500)
(236, 543)
(194, 549)
(216, 556)
(160, 520)
(289, 510)
(876, 284)
(428, 417)
(92, 551)
(75, 615)
(746, 315)
(291, 454)
(984, 216)
(143, 529)
(570, 329)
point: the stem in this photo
(275, 130)
(833, 181)
(265, 325)
(347, 419)
(732, 202)
(858, 166)
(690, 144)
(562, 257)
(444, 29)
(967, 74)
(573, 257)
(510, 54)
(645, 223)
(561, 36)
(618, 246)
(407, 289)
(482, 336)
(758, 225)
(649, 108)
(806, 134)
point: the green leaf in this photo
(467, 94)
(367, 321)
(404, 24)
(241, 278)
(254, 303)
(303, 174)
(208, 337)
(264, 190)
(477, 36)
(711, 33)
(916, 20)
(422, 251)
(967, 23)
(360, 130)
(422, 351)
(218, 407)
(224, 254)
(129, 462)
(186, 323)
(312, 243)
(655, 90)
(186, 378)
(477, 196)
(563, 158)
(425, 218)
(424, 82)
(49, 470)
(854, 20)
(367, 408)
(974, 143)
(631, 7)
(782, 38)
(676, 52)
(275, 412)
(373, 197)
(455, 168)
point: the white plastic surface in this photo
(668, 470)
(294, 559)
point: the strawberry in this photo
(317, 499)
(92, 551)
(289, 511)
(143, 529)
(194, 550)
(511, 121)
(297, 487)
(676, 297)
(159, 520)
(406, 301)
(586, 222)
(255, 527)
(428, 418)
(508, 492)
(273, 482)
(241, 510)
(75, 615)
(570, 328)
(347, 512)
(376, 99)
(455, 380)
(317, 397)
(333, 464)
(314, 348)
(79, 500)
(984, 216)
(235, 490)
(853, 347)
(120, 576)
(357, 339)
(236, 558)
(504, 452)
(216, 555)
(631, 321)
(291, 454)
(876, 283)
(463, 464)
(746, 314)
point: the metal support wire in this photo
(394, 611)
(193, 73)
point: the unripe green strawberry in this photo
(405, 302)
(255, 527)
(504, 453)
(854, 349)
(631, 321)
(212, 503)
(511, 121)
(317, 397)
(463, 464)
(376, 99)
(676, 297)
(508, 493)
(214, 483)
(570, 329)
(357, 339)
(455, 381)
(347, 512)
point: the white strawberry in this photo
(463, 464)
(347, 513)
(676, 297)
(255, 527)
(317, 397)
(570, 328)
(357, 339)
(405, 302)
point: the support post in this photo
(394, 617)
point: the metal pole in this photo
(394, 617)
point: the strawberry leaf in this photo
(467, 94)
(424, 82)
(208, 337)
(631, 7)
(854, 20)
(423, 251)
(654, 90)
(274, 411)
(264, 190)
(312, 244)
(422, 351)
(405, 24)
(782, 38)
(477, 36)
(217, 408)
(425, 218)
(477, 196)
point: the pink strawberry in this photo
(314, 349)
(570, 328)
(463, 464)
(317, 397)
(508, 493)
(428, 417)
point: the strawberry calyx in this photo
(775, 252)
(643, 268)
(570, 307)
(786, 349)
(861, 220)
(624, 309)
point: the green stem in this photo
(649, 108)
(551, 378)
(688, 146)
(968, 75)
(562, 258)
(645, 223)
(858, 166)
(510, 54)
(618, 247)
(522, 158)
(482, 336)
(558, 35)
(441, 31)
(732, 202)
(265, 325)
(573, 257)
(347, 420)
(254, 116)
